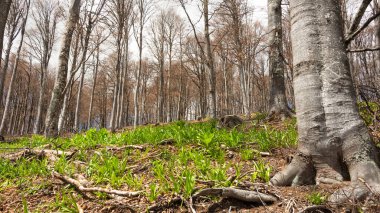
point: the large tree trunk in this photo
(278, 106)
(51, 126)
(334, 143)
(6, 5)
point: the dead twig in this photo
(122, 148)
(83, 189)
(177, 201)
(239, 194)
(52, 155)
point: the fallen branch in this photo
(177, 201)
(239, 194)
(52, 155)
(121, 148)
(83, 189)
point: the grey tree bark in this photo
(334, 143)
(13, 25)
(95, 74)
(14, 71)
(278, 106)
(51, 123)
(210, 59)
(144, 9)
(46, 16)
(6, 5)
(91, 18)
(158, 48)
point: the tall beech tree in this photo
(334, 143)
(51, 123)
(278, 105)
(46, 15)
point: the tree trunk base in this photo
(280, 114)
(306, 170)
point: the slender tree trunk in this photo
(93, 88)
(37, 124)
(161, 95)
(210, 60)
(51, 126)
(14, 72)
(4, 70)
(278, 106)
(138, 80)
(334, 143)
(79, 95)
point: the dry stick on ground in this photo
(81, 188)
(170, 204)
(52, 155)
(121, 148)
(239, 194)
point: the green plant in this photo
(189, 182)
(247, 154)
(153, 192)
(317, 198)
(262, 171)
(158, 169)
(24, 205)
(206, 139)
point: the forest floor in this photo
(158, 169)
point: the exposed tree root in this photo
(83, 189)
(300, 171)
(280, 114)
(316, 208)
(303, 170)
(238, 194)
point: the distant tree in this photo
(91, 18)
(278, 106)
(143, 12)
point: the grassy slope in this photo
(201, 155)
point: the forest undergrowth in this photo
(154, 168)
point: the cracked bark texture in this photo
(6, 5)
(277, 102)
(334, 143)
(56, 101)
